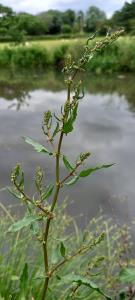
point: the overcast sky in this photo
(35, 6)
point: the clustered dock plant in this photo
(42, 207)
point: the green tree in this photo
(52, 20)
(68, 17)
(125, 16)
(31, 24)
(94, 19)
(66, 28)
(5, 11)
(80, 20)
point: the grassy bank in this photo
(108, 258)
(120, 57)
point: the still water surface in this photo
(105, 127)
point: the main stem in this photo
(47, 227)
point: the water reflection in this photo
(105, 126)
(18, 88)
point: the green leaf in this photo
(48, 192)
(26, 221)
(68, 126)
(58, 277)
(85, 281)
(67, 164)
(56, 130)
(89, 171)
(21, 183)
(72, 181)
(122, 295)
(34, 227)
(127, 275)
(14, 278)
(38, 147)
(6, 188)
(62, 249)
(15, 193)
(24, 282)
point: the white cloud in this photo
(35, 6)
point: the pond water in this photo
(105, 127)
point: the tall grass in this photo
(103, 263)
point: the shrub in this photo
(59, 55)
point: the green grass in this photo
(105, 260)
(120, 57)
(52, 44)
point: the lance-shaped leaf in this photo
(26, 221)
(68, 126)
(24, 283)
(80, 280)
(88, 172)
(15, 193)
(48, 192)
(62, 249)
(72, 181)
(38, 147)
(56, 130)
(67, 163)
(21, 183)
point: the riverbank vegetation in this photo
(111, 262)
(43, 40)
(119, 57)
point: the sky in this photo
(36, 6)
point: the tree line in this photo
(16, 26)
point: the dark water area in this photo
(105, 127)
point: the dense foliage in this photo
(110, 264)
(19, 26)
(119, 57)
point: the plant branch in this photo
(71, 173)
(80, 251)
(36, 204)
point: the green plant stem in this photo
(46, 233)
(58, 186)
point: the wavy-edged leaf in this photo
(88, 172)
(62, 249)
(67, 163)
(72, 181)
(85, 281)
(48, 192)
(26, 221)
(38, 147)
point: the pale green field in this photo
(48, 44)
(52, 44)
